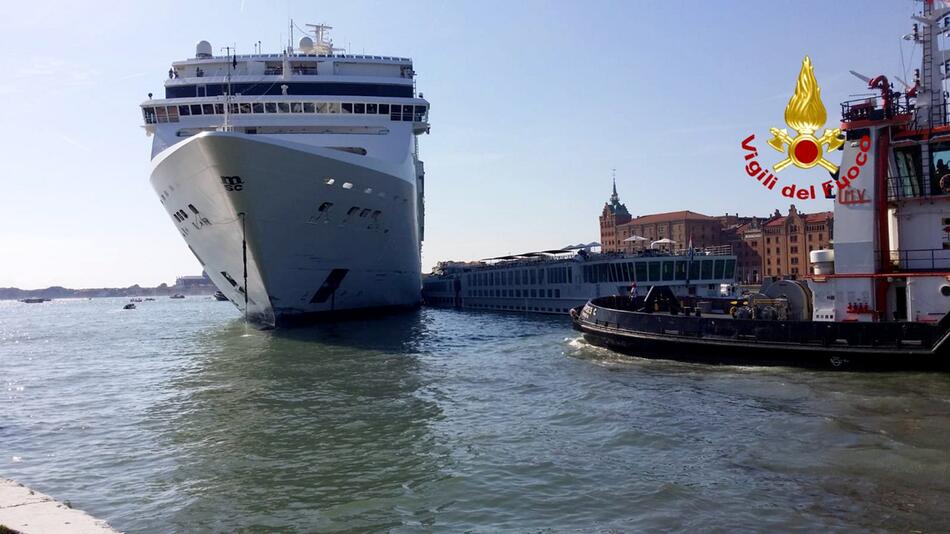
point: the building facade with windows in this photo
(785, 241)
(775, 246)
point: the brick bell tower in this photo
(613, 215)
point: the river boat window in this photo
(641, 271)
(719, 267)
(694, 270)
(359, 108)
(347, 108)
(219, 109)
(707, 270)
(334, 107)
(372, 109)
(296, 107)
(257, 107)
(667, 271)
(309, 107)
(680, 270)
(384, 109)
(394, 112)
(654, 271)
(184, 110)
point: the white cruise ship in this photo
(294, 178)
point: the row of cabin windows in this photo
(516, 293)
(660, 271)
(519, 277)
(396, 112)
(515, 307)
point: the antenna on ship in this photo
(934, 22)
(322, 44)
(232, 63)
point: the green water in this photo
(170, 418)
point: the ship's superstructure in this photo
(891, 257)
(295, 177)
(554, 281)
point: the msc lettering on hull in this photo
(232, 183)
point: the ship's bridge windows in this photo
(270, 107)
(940, 169)
(283, 107)
(384, 109)
(184, 110)
(334, 107)
(359, 108)
(707, 270)
(654, 271)
(309, 107)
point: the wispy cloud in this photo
(73, 142)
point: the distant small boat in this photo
(149, 299)
(35, 300)
(129, 306)
(136, 299)
(220, 296)
(177, 296)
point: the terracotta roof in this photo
(810, 217)
(823, 216)
(670, 216)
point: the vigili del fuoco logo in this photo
(805, 114)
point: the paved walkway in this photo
(31, 512)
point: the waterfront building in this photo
(620, 232)
(764, 246)
(614, 215)
(786, 241)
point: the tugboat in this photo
(880, 299)
(129, 306)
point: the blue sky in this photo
(533, 104)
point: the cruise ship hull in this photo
(298, 232)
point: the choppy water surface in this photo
(169, 418)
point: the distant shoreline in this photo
(58, 292)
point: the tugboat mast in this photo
(931, 94)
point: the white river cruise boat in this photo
(554, 281)
(294, 178)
